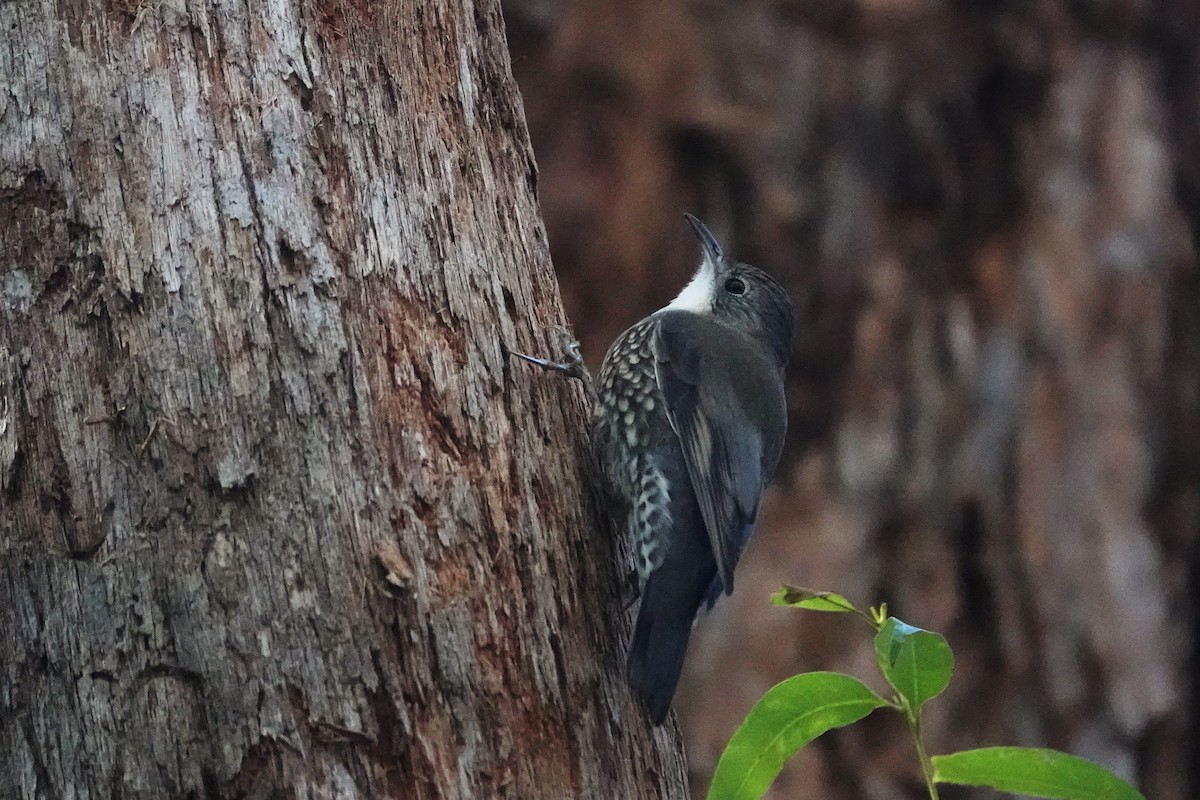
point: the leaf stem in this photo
(914, 723)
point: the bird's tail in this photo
(660, 641)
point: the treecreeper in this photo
(688, 427)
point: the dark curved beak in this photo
(712, 248)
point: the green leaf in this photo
(1034, 772)
(916, 662)
(813, 600)
(789, 716)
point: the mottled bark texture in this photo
(984, 211)
(279, 518)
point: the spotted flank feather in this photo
(628, 394)
(650, 520)
(631, 421)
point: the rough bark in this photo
(279, 519)
(983, 210)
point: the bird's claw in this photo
(571, 364)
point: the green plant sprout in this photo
(917, 665)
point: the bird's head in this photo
(739, 295)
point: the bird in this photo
(688, 427)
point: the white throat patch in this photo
(697, 296)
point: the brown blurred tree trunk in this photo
(277, 520)
(983, 210)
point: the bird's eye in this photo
(735, 286)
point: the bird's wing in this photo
(723, 449)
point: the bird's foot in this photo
(571, 363)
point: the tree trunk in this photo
(279, 518)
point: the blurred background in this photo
(987, 212)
